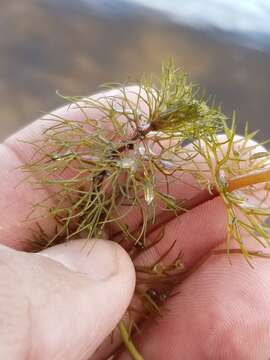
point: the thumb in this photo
(70, 297)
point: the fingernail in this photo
(97, 259)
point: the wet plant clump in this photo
(116, 173)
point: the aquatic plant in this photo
(117, 173)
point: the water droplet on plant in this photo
(246, 205)
(259, 253)
(222, 178)
(149, 194)
(246, 202)
(144, 124)
(90, 158)
(167, 164)
(141, 150)
(259, 155)
(60, 156)
(128, 163)
(55, 156)
(145, 151)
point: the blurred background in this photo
(75, 45)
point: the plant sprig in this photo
(131, 148)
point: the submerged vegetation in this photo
(117, 172)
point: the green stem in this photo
(128, 342)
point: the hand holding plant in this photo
(156, 169)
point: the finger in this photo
(221, 312)
(17, 195)
(194, 233)
(62, 302)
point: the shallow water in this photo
(74, 46)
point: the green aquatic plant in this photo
(126, 162)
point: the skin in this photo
(64, 301)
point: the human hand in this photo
(61, 302)
(220, 308)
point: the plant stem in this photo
(139, 134)
(250, 179)
(128, 342)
